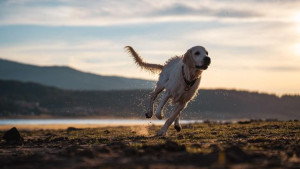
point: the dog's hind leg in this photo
(179, 108)
(158, 113)
(177, 125)
(153, 96)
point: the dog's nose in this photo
(206, 60)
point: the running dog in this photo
(180, 78)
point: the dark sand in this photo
(209, 145)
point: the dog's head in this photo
(197, 57)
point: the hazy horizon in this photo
(254, 45)
(204, 88)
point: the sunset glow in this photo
(251, 48)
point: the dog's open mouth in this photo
(203, 67)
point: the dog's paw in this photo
(148, 115)
(159, 116)
(177, 128)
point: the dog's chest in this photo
(183, 93)
(176, 85)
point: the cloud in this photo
(181, 9)
(252, 43)
(110, 13)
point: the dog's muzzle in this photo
(206, 63)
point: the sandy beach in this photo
(213, 145)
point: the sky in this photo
(254, 44)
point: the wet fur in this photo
(171, 80)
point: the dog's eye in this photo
(206, 52)
(197, 53)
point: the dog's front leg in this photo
(158, 113)
(153, 96)
(163, 130)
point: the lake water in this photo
(87, 122)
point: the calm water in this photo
(87, 121)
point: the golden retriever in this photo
(179, 77)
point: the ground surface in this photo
(208, 145)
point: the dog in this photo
(180, 78)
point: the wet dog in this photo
(180, 78)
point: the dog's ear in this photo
(187, 58)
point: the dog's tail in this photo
(154, 68)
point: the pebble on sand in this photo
(13, 136)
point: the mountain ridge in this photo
(65, 77)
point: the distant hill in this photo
(30, 99)
(68, 78)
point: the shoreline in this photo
(65, 126)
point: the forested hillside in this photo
(30, 99)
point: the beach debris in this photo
(13, 136)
